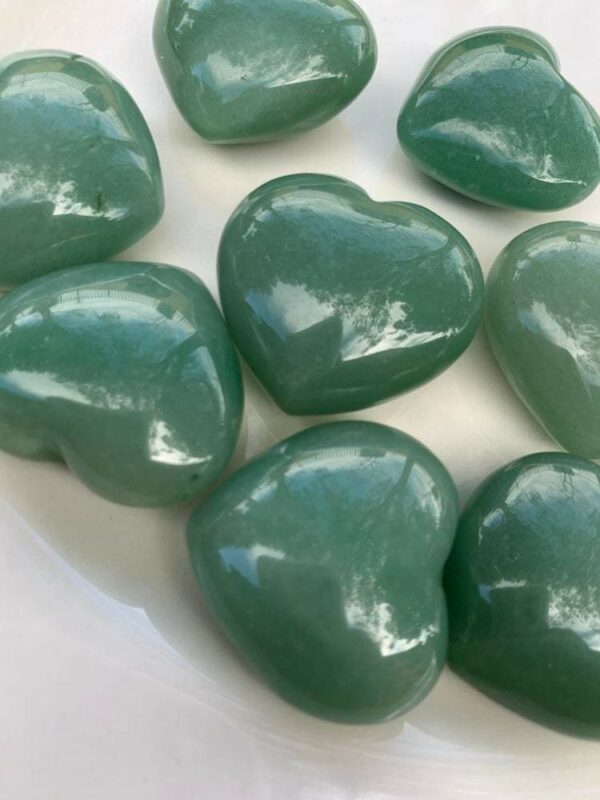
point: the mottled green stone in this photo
(79, 174)
(492, 117)
(543, 322)
(252, 70)
(124, 371)
(322, 562)
(338, 302)
(523, 591)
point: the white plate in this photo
(113, 681)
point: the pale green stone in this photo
(322, 562)
(543, 322)
(79, 175)
(338, 302)
(523, 589)
(250, 70)
(492, 117)
(126, 373)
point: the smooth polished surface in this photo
(79, 174)
(492, 117)
(125, 371)
(322, 562)
(523, 589)
(543, 322)
(338, 302)
(250, 70)
(137, 684)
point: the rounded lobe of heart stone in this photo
(492, 117)
(252, 70)
(126, 372)
(338, 302)
(543, 322)
(523, 590)
(322, 562)
(80, 178)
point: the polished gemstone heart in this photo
(322, 562)
(79, 174)
(523, 590)
(543, 322)
(126, 372)
(492, 117)
(248, 70)
(338, 302)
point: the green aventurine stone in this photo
(543, 322)
(492, 117)
(79, 174)
(250, 70)
(338, 302)
(322, 561)
(523, 591)
(126, 372)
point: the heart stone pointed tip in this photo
(322, 562)
(492, 117)
(253, 70)
(338, 302)
(523, 590)
(126, 372)
(543, 322)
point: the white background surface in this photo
(113, 681)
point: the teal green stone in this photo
(126, 373)
(322, 561)
(523, 591)
(543, 322)
(492, 117)
(252, 70)
(79, 175)
(338, 302)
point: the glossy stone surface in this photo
(79, 174)
(543, 322)
(523, 590)
(492, 117)
(126, 372)
(251, 70)
(322, 561)
(338, 302)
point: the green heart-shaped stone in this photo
(523, 590)
(543, 322)
(322, 562)
(338, 302)
(126, 372)
(492, 117)
(79, 174)
(251, 70)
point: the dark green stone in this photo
(338, 302)
(523, 591)
(251, 70)
(543, 322)
(492, 117)
(124, 371)
(79, 174)
(322, 562)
